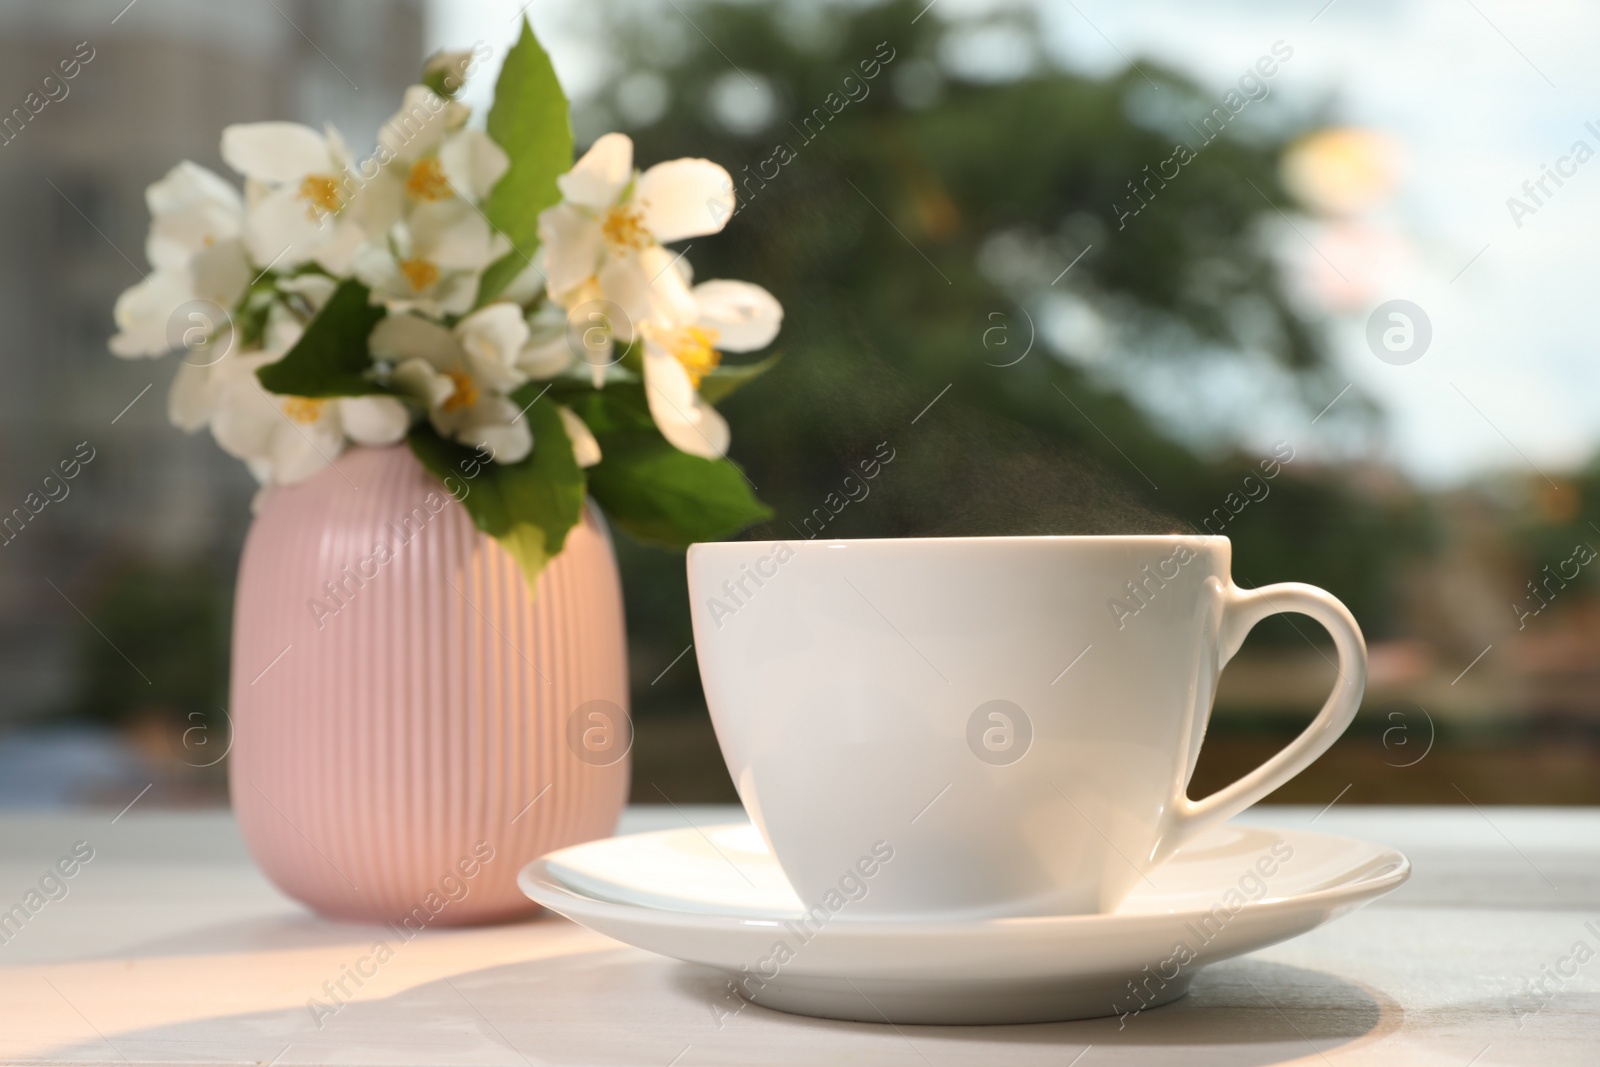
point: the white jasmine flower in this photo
(195, 389)
(191, 209)
(298, 185)
(604, 239)
(432, 260)
(462, 375)
(282, 439)
(144, 310)
(195, 249)
(729, 316)
(286, 439)
(425, 156)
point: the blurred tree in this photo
(917, 225)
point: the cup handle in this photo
(1241, 610)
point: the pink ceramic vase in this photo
(411, 726)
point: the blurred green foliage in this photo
(926, 213)
(173, 621)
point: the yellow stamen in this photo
(427, 181)
(303, 409)
(420, 274)
(466, 392)
(321, 191)
(623, 229)
(694, 347)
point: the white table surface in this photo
(171, 948)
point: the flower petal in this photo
(506, 442)
(191, 399)
(399, 338)
(454, 295)
(493, 338)
(277, 152)
(338, 148)
(373, 420)
(376, 268)
(546, 357)
(417, 378)
(453, 235)
(495, 333)
(473, 163)
(284, 230)
(143, 311)
(549, 350)
(245, 419)
(493, 424)
(189, 185)
(421, 124)
(571, 243)
(337, 251)
(199, 389)
(746, 317)
(221, 273)
(381, 201)
(684, 198)
(599, 177)
(647, 289)
(191, 208)
(298, 451)
(585, 449)
(687, 422)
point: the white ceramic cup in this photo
(1014, 720)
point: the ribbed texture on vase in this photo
(418, 720)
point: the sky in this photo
(1476, 96)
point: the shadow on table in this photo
(1261, 1012)
(590, 1000)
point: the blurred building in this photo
(156, 83)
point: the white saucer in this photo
(715, 896)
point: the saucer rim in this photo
(1393, 870)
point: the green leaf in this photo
(662, 495)
(618, 407)
(645, 485)
(632, 358)
(331, 358)
(530, 120)
(527, 506)
(716, 386)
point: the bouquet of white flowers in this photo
(515, 318)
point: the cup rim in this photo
(700, 547)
